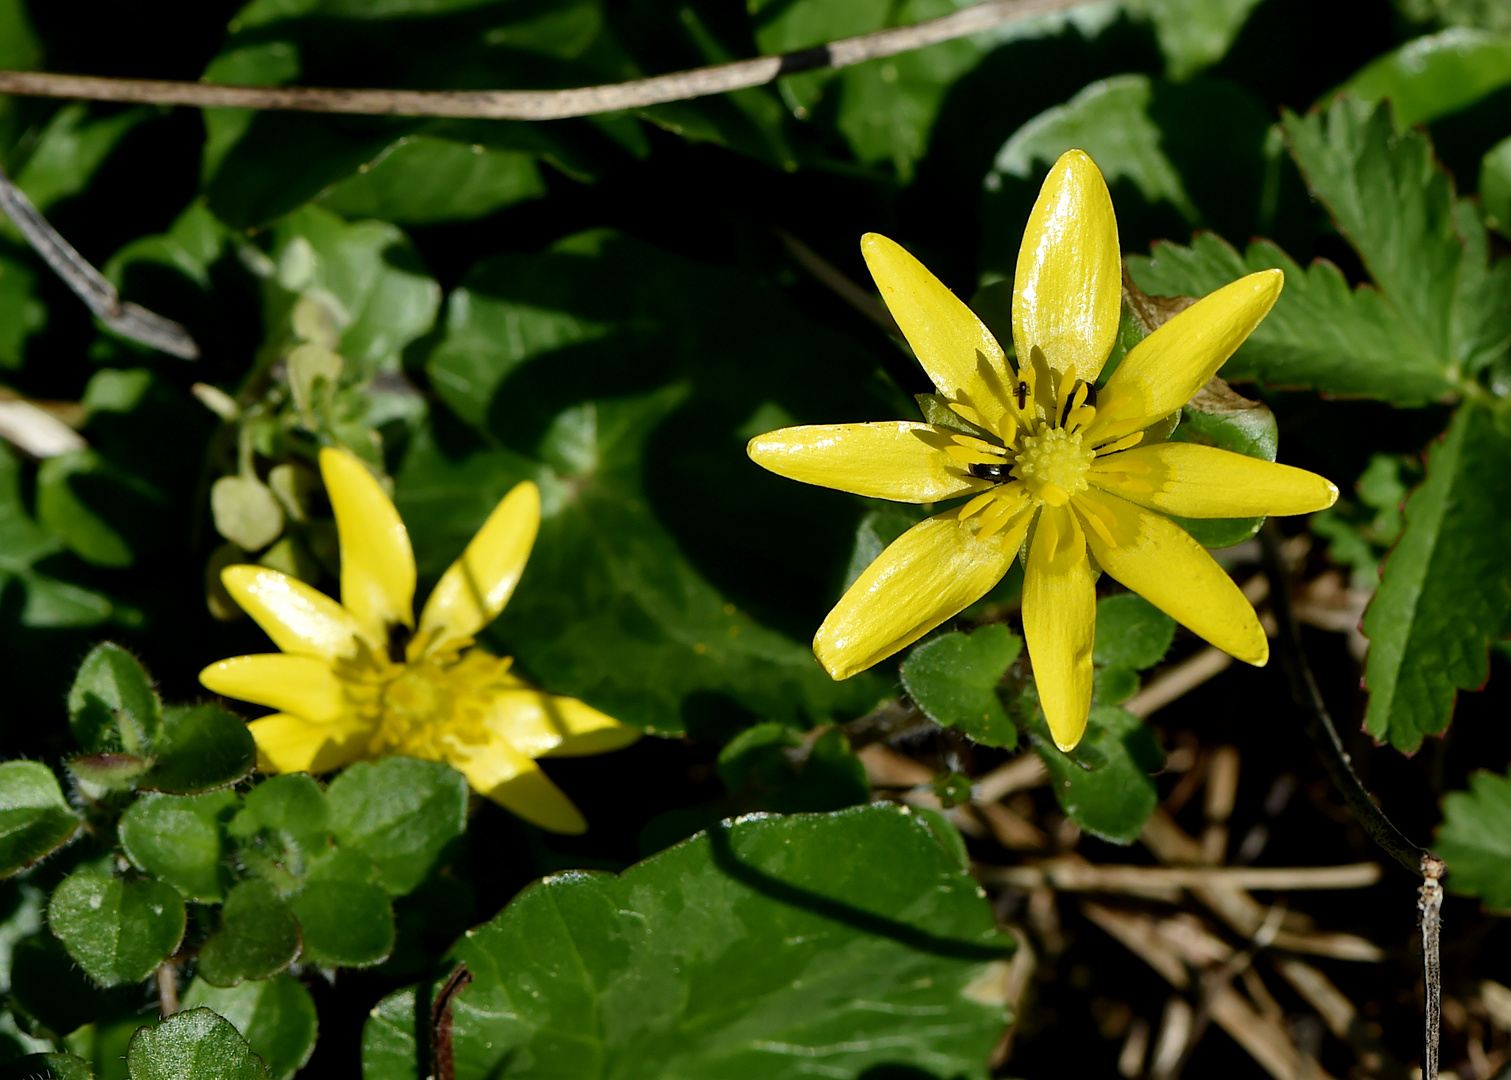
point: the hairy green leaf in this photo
(1131, 632)
(748, 951)
(276, 1016)
(192, 1045)
(258, 937)
(35, 818)
(112, 705)
(178, 839)
(118, 931)
(401, 813)
(201, 747)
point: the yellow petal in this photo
(956, 349)
(1196, 481)
(292, 744)
(1059, 623)
(537, 724)
(1068, 291)
(898, 460)
(476, 587)
(299, 618)
(377, 563)
(1158, 560)
(1162, 372)
(302, 685)
(498, 771)
(927, 575)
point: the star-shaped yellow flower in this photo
(1081, 475)
(359, 680)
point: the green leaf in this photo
(1495, 186)
(740, 953)
(1193, 34)
(177, 839)
(258, 936)
(1131, 632)
(47, 1067)
(762, 758)
(118, 931)
(35, 818)
(276, 1016)
(22, 314)
(1475, 839)
(201, 747)
(1218, 417)
(1193, 152)
(421, 179)
(400, 812)
(100, 511)
(24, 545)
(368, 271)
(1435, 75)
(345, 923)
(1445, 591)
(285, 820)
(112, 705)
(1104, 784)
(1114, 685)
(50, 996)
(192, 1045)
(953, 678)
(70, 150)
(573, 367)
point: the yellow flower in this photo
(359, 680)
(1054, 463)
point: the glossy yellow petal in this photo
(538, 724)
(1162, 563)
(1059, 623)
(477, 586)
(498, 771)
(377, 563)
(1162, 372)
(298, 617)
(302, 685)
(958, 352)
(1068, 288)
(925, 576)
(1196, 481)
(293, 744)
(898, 460)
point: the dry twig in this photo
(1076, 875)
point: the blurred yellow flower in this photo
(1072, 471)
(359, 680)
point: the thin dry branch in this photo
(535, 104)
(1075, 875)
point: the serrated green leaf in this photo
(118, 931)
(258, 937)
(201, 747)
(178, 839)
(953, 678)
(740, 953)
(401, 813)
(1435, 75)
(1320, 333)
(574, 364)
(1475, 839)
(1104, 785)
(192, 1045)
(35, 818)
(112, 705)
(1445, 590)
(276, 1016)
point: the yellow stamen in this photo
(976, 505)
(1054, 494)
(1127, 442)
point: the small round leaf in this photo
(258, 937)
(35, 818)
(202, 747)
(192, 1045)
(118, 931)
(276, 1016)
(177, 839)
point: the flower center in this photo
(1053, 464)
(425, 705)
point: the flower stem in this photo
(1319, 723)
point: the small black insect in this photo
(1022, 396)
(398, 641)
(998, 473)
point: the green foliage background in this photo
(611, 307)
